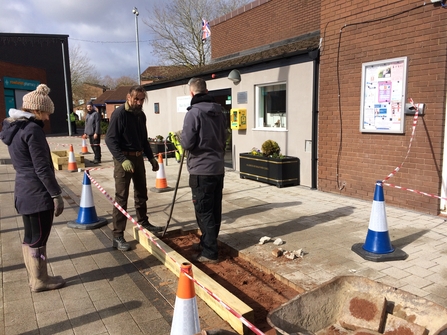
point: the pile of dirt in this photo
(258, 289)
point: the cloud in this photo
(104, 29)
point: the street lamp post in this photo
(135, 11)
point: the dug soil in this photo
(258, 289)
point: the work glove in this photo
(58, 205)
(154, 164)
(127, 166)
(178, 134)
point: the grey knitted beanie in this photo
(39, 100)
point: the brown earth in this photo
(258, 289)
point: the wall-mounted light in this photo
(235, 76)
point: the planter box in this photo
(274, 171)
(60, 160)
(159, 147)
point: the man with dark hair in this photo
(92, 131)
(127, 140)
(203, 135)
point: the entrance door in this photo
(221, 97)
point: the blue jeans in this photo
(207, 200)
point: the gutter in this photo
(315, 55)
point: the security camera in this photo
(135, 11)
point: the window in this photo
(271, 106)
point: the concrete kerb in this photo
(172, 260)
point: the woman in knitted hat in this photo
(37, 194)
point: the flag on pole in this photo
(206, 32)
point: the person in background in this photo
(73, 118)
(37, 195)
(203, 136)
(92, 130)
(127, 140)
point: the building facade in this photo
(27, 60)
(350, 161)
(330, 82)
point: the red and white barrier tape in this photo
(228, 308)
(164, 153)
(122, 210)
(415, 120)
(415, 191)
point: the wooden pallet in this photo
(60, 160)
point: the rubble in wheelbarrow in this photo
(366, 314)
(354, 305)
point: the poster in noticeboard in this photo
(383, 96)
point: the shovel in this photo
(175, 193)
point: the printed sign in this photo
(383, 96)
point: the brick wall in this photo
(263, 22)
(414, 30)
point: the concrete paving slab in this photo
(325, 225)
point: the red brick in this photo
(363, 310)
(365, 332)
(398, 326)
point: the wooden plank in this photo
(172, 260)
(60, 160)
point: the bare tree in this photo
(177, 27)
(82, 71)
(113, 83)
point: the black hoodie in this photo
(30, 155)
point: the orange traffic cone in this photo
(84, 147)
(161, 184)
(72, 166)
(186, 315)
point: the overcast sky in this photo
(91, 24)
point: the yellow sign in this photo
(238, 118)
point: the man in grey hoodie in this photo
(203, 136)
(93, 131)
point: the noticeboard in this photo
(383, 96)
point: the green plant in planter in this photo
(268, 165)
(268, 149)
(159, 138)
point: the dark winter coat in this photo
(204, 135)
(92, 123)
(35, 183)
(127, 132)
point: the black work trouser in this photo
(122, 184)
(96, 146)
(37, 228)
(73, 127)
(207, 200)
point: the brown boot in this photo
(36, 262)
(25, 252)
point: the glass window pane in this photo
(271, 111)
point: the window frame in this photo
(259, 103)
